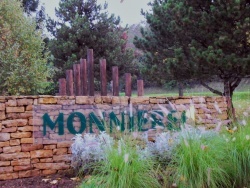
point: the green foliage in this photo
(199, 161)
(123, 168)
(23, 59)
(158, 44)
(202, 40)
(83, 25)
(238, 149)
(30, 5)
(188, 158)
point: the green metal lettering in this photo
(70, 120)
(173, 122)
(141, 120)
(51, 124)
(123, 122)
(183, 117)
(156, 120)
(131, 124)
(94, 119)
(113, 118)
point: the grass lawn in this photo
(241, 102)
(241, 99)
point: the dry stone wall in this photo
(21, 157)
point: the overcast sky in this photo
(129, 10)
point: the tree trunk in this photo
(227, 89)
(230, 83)
(228, 93)
(180, 88)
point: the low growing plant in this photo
(124, 168)
(89, 149)
(160, 151)
(191, 157)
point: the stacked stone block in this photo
(21, 157)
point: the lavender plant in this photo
(161, 150)
(89, 149)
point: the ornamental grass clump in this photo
(199, 160)
(238, 160)
(123, 168)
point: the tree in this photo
(158, 44)
(201, 40)
(23, 62)
(82, 25)
(30, 5)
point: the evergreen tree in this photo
(201, 40)
(30, 5)
(82, 25)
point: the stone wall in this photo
(21, 157)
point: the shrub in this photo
(23, 56)
(87, 150)
(161, 150)
(188, 158)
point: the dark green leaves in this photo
(82, 25)
(198, 40)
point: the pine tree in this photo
(82, 25)
(30, 5)
(201, 40)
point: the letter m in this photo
(51, 124)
